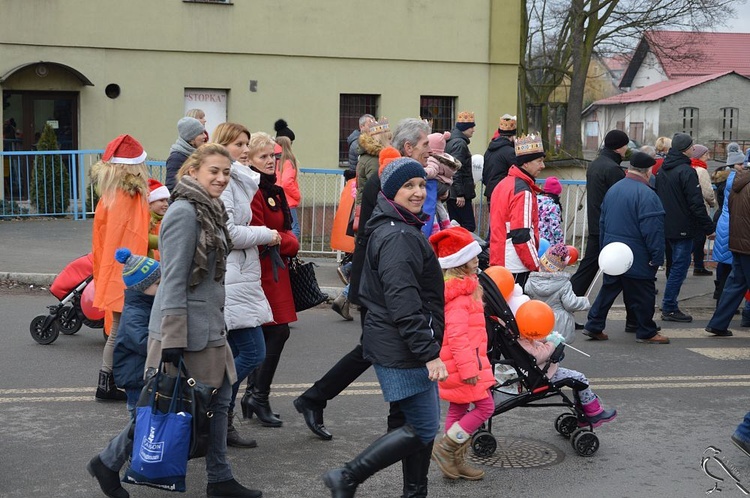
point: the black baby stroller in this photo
(533, 386)
(68, 316)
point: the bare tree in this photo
(565, 33)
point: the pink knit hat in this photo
(552, 186)
(437, 142)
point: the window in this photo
(440, 112)
(729, 123)
(636, 131)
(689, 120)
(351, 107)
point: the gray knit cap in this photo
(189, 128)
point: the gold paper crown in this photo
(507, 122)
(378, 127)
(529, 144)
(465, 117)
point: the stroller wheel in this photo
(565, 424)
(69, 321)
(483, 443)
(585, 442)
(42, 334)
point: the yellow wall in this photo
(303, 54)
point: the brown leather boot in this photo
(444, 455)
(466, 471)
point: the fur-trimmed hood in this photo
(369, 145)
(455, 287)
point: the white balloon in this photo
(615, 258)
(517, 298)
(477, 165)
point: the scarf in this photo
(182, 147)
(270, 190)
(212, 217)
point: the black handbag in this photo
(305, 288)
(195, 398)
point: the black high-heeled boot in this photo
(245, 401)
(259, 405)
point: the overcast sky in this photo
(741, 21)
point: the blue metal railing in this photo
(26, 192)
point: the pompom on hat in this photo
(397, 173)
(552, 186)
(157, 191)
(283, 130)
(454, 247)
(139, 272)
(189, 128)
(555, 259)
(734, 154)
(386, 156)
(437, 142)
(124, 150)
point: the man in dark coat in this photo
(500, 155)
(602, 173)
(462, 190)
(353, 139)
(632, 214)
(680, 192)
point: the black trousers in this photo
(640, 300)
(463, 215)
(699, 256)
(588, 266)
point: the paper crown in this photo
(507, 123)
(465, 117)
(378, 127)
(529, 144)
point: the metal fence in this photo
(57, 183)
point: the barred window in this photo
(729, 123)
(351, 107)
(689, 120)
(440, 112)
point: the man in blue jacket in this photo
(680, 193)
(632, 214)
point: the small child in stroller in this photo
(542, 348)
(464, 352)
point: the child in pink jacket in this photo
(464, 352)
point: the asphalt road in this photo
(673, 402)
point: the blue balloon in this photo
(543, 246)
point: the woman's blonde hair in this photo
(196, 159)
(663, 144)
(195, 113)
(108, 178)
(226, 133)
(286, 153)
(259, 140)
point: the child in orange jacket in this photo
(464, 352)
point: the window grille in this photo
(729, 123)
(351, 107)
(689, 120)
(440, 112)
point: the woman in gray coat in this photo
(246, 307)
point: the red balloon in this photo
(87, 303)
(573, 253)
(535, 319)
(503, 278)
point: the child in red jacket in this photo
(464, 352)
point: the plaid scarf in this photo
(212, 217)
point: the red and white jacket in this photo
(514, 223)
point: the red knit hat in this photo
(454, 247)
(124, 150)
(157, 191)
(387, 154)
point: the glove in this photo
(555, 338)
(172, 355)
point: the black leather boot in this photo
(383, 453)
(231, 488)
(109, 480)
(259, 405)
(415, 469)
(106, 390)
(234, 438)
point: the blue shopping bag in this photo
(161, 443)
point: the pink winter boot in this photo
(597, 415)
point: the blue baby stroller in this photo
(533, 387)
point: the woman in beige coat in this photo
(699, 164)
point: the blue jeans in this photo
(743, 430)
(249, 351)
(733, 293)
(682, 253)
(295, 223)
(133, 395)
(422, 412)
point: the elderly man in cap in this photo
(679, 190)
(632, 214)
